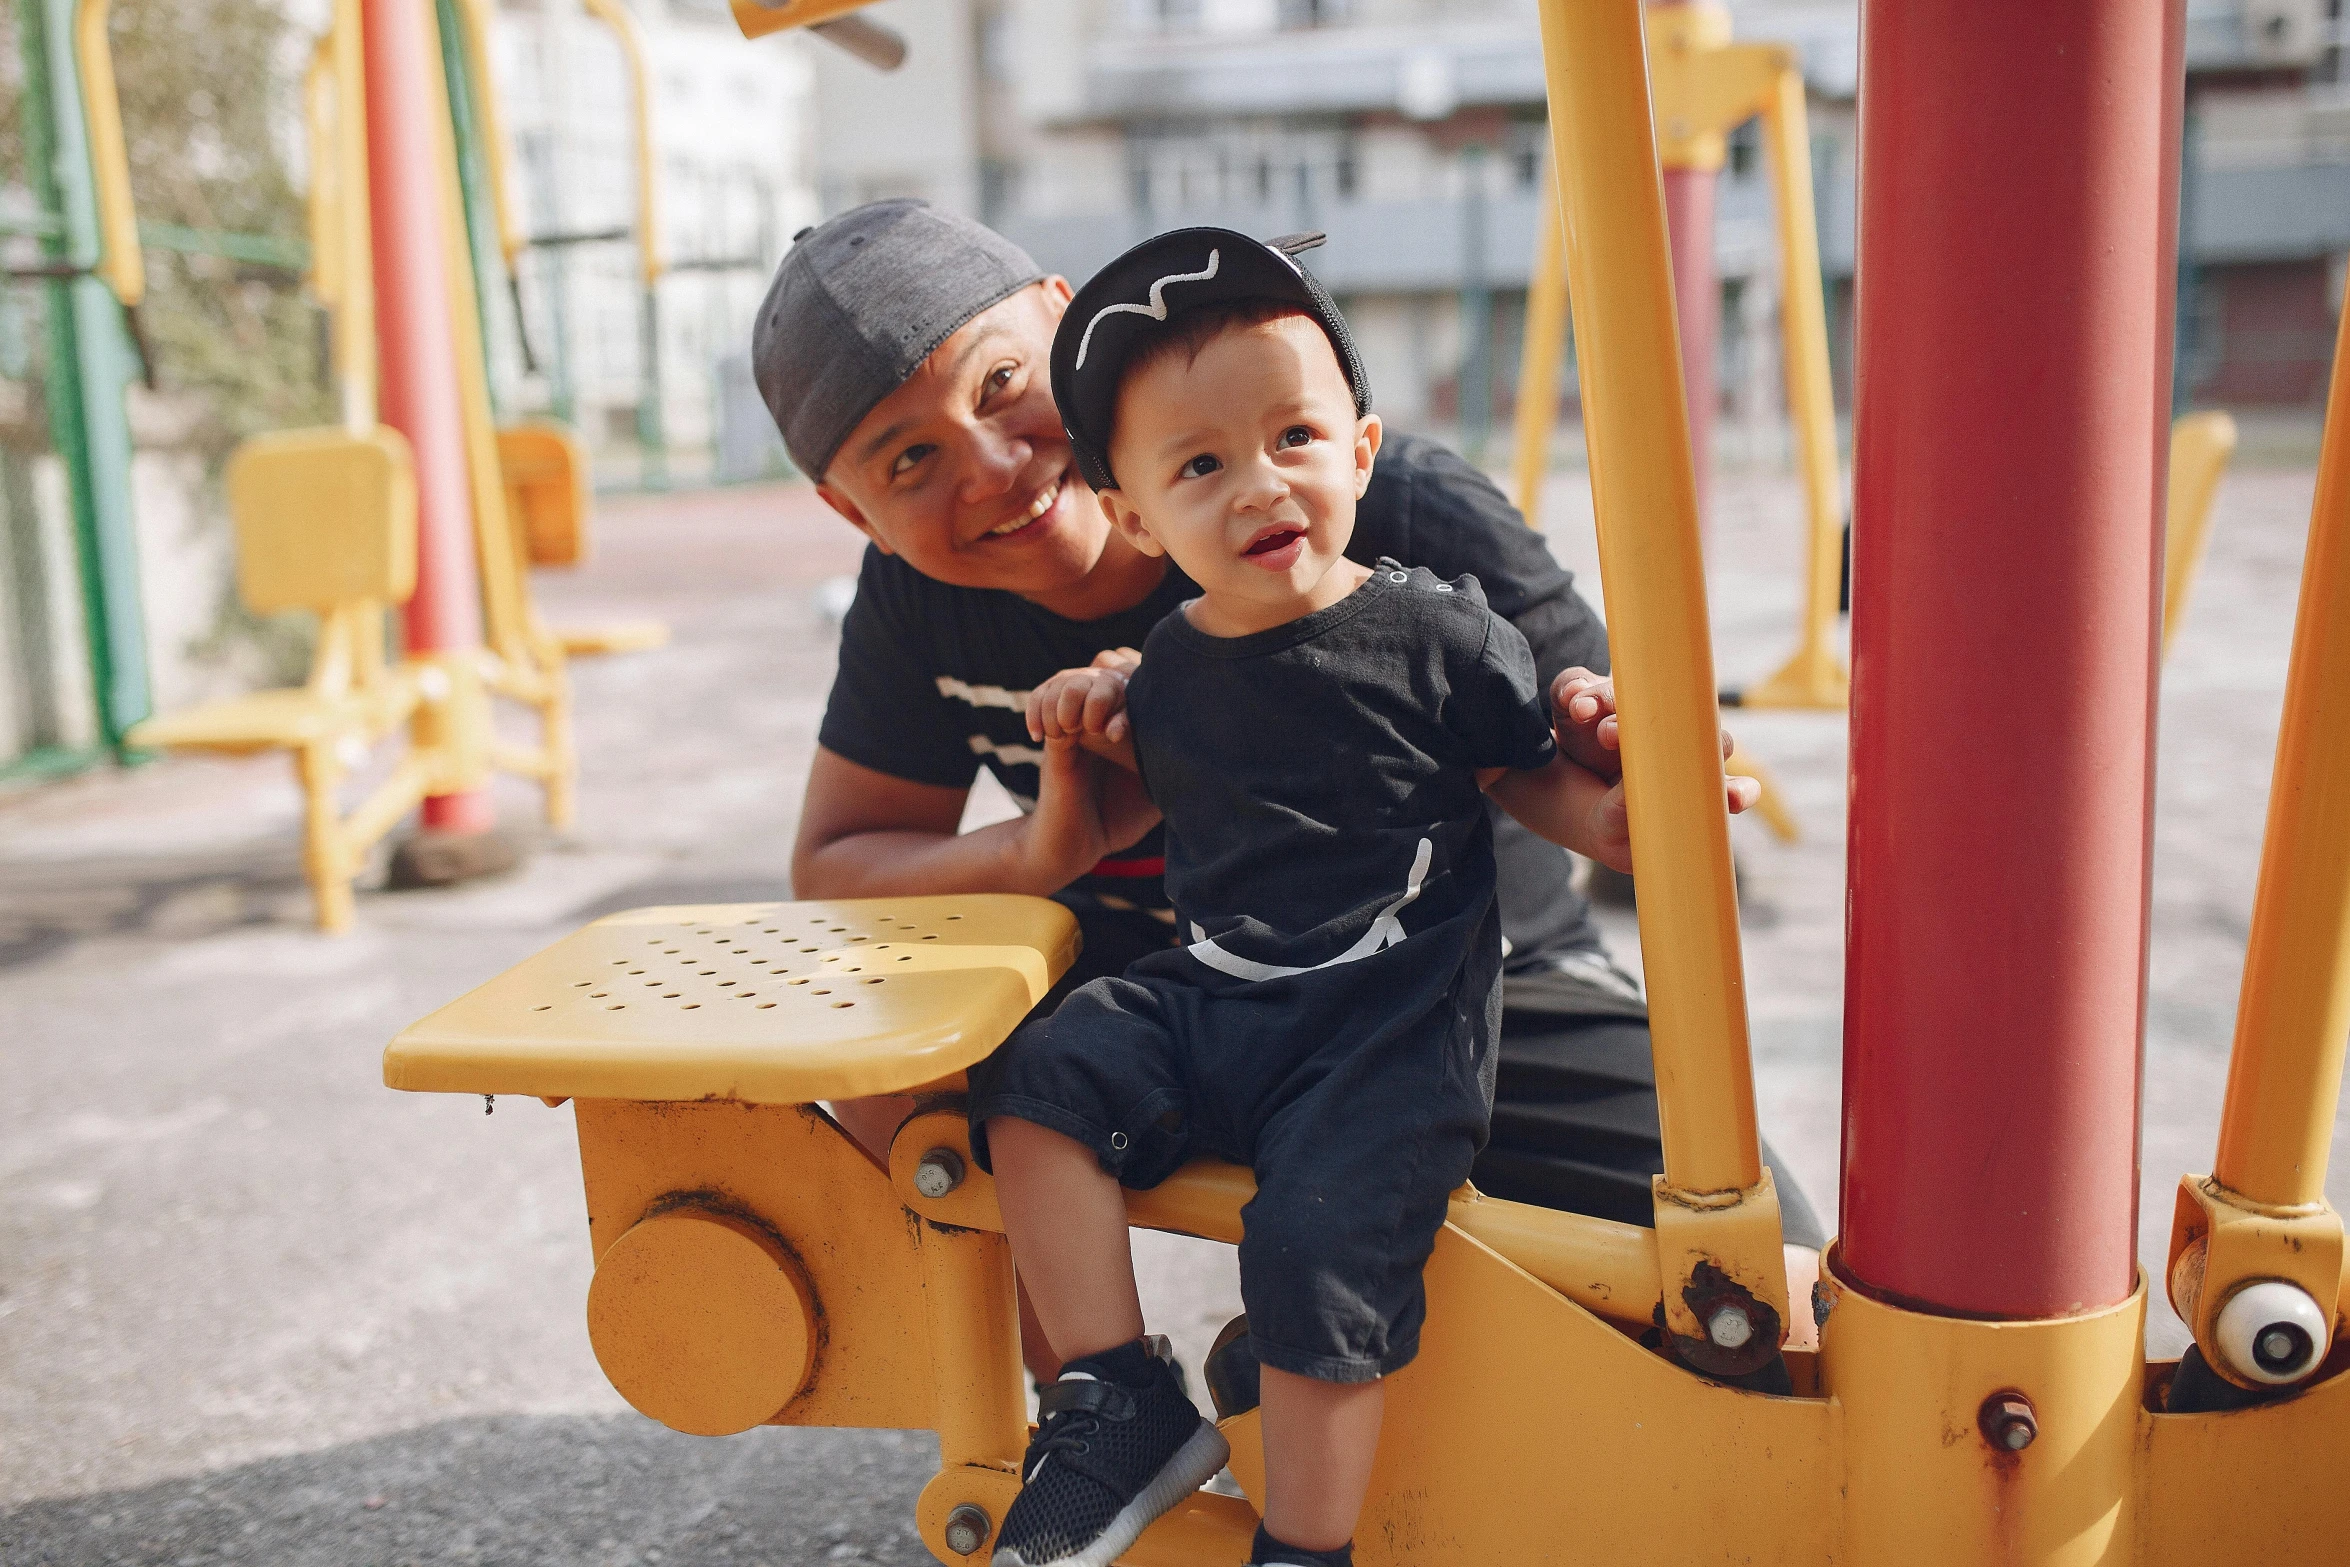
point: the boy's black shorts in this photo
(1359, 1095)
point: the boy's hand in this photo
(1087, 706)
(1583, 716)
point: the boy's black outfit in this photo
(1330, 1018)
(931, 685)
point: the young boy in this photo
(1317, 734)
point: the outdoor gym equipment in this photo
(1981, 1392)
(326, 522)
(392, 261)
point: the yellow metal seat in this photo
(547, 492)
(763, 1003)
(326, 521)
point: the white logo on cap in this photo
(1156, 309)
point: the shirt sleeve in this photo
(886, 711)
(1495, 705)
(1457, 522)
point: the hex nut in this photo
(939, 1173)
(967, 1530)
(1730, 1326)
(2008, 1422)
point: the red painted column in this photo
(416, 343)
(2012, 346)
(1697, 302)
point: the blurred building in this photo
(1411, 131)
(734, 127)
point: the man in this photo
(904, 355)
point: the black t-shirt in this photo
(933, 679)
(1319, 778)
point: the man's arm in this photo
(866, 834)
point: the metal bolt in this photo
(967, 1526)
(939, 1173)
(1729, 1327)
(2008, 1422)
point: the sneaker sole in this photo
(1195, 1463)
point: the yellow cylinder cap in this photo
(702, 1321)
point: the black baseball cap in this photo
(1134, 297)
(856, 306)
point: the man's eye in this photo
(1000, 377)
(908, 460)
(1296, 435)
(1201, 466)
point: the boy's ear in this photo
(1129, 522)
(1368, 431)
(854, 517)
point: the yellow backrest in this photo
(2200, 446)
(323, 518)
(546, 471)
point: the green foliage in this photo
(208, 105)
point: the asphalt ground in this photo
(255, 1307)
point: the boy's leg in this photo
(1320, 1438)
(1066, 1217)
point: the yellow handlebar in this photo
(616, 16)
(120, 265)
(758, 18)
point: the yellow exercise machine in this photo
(530, 506)
(754, 1266)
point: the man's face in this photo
(965, 472)
(1244, 464)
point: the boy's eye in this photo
(1296, 435)
(1000, 377)
(908, 460)
(1201, 466)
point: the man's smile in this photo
(1036, 508)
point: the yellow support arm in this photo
(1715, 1204)
(120, 265)
(478, 17)
(1538, 361)
(342, 263)
(616, 16)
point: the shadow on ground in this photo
(550, 1491)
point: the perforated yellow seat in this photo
(767, 1003)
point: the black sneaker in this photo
(1120, 1444)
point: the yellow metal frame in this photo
(2262, 1213)
(613, 14)
(1703, 87)
(829, 1290)
(120, 263)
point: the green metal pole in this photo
(473, 181)
(91, 364)
(651, 433)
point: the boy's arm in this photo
(1574, 808)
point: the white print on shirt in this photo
(1156, 309)
(1386, 931)
(982, 696)
(981, 745)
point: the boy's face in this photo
(1244, 464)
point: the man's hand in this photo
(1085, 809)
(1088, 706)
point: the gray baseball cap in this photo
(858, 303)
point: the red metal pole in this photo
(417, 348)
(1697, 302)
(2011, 346)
